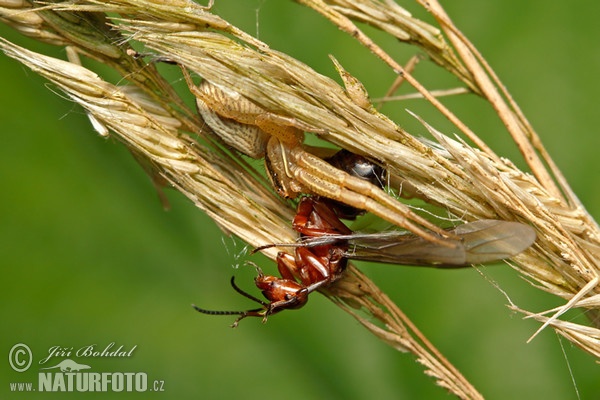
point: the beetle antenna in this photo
(263, 247)
(219, 312)
(246, 294)
(263, 312)
(310, 241)
(257, 312)
(301, 243)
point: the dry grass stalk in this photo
(565, 258)
(470, 183)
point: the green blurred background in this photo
(90, 257)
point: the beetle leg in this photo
(286, 265)
(315, 218)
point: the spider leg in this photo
(322, 179)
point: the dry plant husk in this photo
(466, 181)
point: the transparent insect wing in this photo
(478, 242)
(406, 250)
(490, 240)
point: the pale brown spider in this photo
(291, 166)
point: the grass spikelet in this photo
(468, 182)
